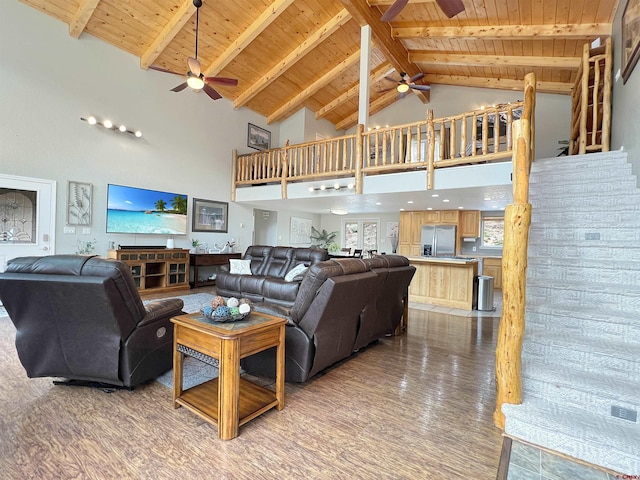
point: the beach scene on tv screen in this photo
(137, 210)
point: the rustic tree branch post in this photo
(234, 174)
(285, 171)
(359, 157)
(514, 266)
(431, 146)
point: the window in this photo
(360, 234)
(492, 232)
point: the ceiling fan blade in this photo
(417, 76)
(451, 7)
(230, 82)
(423, 88)
(163, 70)
(394, 10)
(387, 90)
(180, 87)
(194, 66)
(211, 92)
(394, 80)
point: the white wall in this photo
(49, 80)
(553, 112)
(625, 124)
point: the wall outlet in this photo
(624, 413)
(86, 231)
(474, 249)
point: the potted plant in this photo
(324, 239)
(194, 245)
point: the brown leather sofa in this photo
(341, 306)
(269, 266)
(81, 318)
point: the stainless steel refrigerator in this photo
(439, 240)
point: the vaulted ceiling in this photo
(288, 54)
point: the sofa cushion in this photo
(259, 256)
(279, 291)
(239, 267)
(279, 262)
(298, 270)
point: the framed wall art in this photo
(630, 38)
(79, 203)
(300, 233)
(209, 216)
(258, 138)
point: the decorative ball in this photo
(218, 301)
(232, 302)
(234, 311)
(244, 308)
(246, 301)
(208, 310)
(221, 311)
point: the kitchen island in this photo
(444, 281)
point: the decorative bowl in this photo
(229, 317)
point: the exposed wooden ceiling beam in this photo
(499, 83)
(507, 32)
(81, 17)
(288, 108)
(375, 3)
(376, 75)
(493, 60)
(282, 66)
(374, 107)
(166, 36)
(265, 19)
(392, 49)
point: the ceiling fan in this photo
(449, 7)
(407, 83)
(195, 78)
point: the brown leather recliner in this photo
(81, 318)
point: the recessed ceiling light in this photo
(486, 199)
(460, 208)
(378, 203)
(495, 206)
(410, 201)
(402, 209)
(429, 208)
(435, 195)
(445, 200)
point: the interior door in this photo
(27, 217)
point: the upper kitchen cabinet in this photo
(449, 217)
(470, 223)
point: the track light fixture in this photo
(108, 124)
(335, 186)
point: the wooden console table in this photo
(228, 401)
(156, 269)
(197, 260)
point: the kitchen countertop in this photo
(450, 260)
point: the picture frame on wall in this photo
(630, 38)
(258, 138)
(300, 232)
(209, 216)
(79, 203)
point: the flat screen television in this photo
(142, 211)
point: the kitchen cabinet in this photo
(431, 216)
(449, 217)
(470, 223)
(492, 267)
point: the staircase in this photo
(581, 350)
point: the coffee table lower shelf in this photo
(203, 401)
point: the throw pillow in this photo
(241, 267)
(296, 271)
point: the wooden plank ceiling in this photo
(288, 54)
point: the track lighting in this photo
(108, 124)
(335, 186)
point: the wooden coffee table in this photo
(228, 401)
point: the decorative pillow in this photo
(296, 271)
(241, 267)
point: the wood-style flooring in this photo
(416, 406)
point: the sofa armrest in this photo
(160, 309)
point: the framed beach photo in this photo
(209, 216)
(258, 138)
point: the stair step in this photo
(550, 318)
(538, 273)
(605, 201)
(593, 233)
(576, 433)
(622, 251)
(593, 392)
(584, 352)
(627, 185)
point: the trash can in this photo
(485, 293)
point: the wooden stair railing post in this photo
(584, 100)
(359, 157)
(529, 113)
(431, 148)
(285, 170)
(606, 101)
(234, 173)
(517, 219)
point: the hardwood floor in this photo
(417, 406)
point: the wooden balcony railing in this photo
(478, 136)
